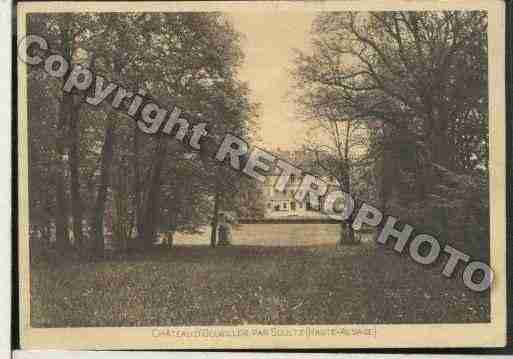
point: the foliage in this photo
(184, 59)
(414, 84)
(122, 221)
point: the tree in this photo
(58, 31)
(422, 75)
(233, 113)
(110, 50)
(96, 143)
(43, 112)
(209, 51)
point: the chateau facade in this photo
(283, 204)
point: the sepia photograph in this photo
(261, 175)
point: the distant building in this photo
(283, 204)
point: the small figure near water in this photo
(224, 230)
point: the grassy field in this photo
(197, 285)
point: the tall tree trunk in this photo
(347, 233)
(346, 227)
(101, 196)
(74, 166)
(442, 151)
(169, 238)
(105, 170)
(385, 170)
(151, 207)
(438, 152)
(215, 221)
(61, 215)
(441, 155)
(137, 185)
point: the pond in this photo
(275, 234)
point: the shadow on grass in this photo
(234, 285)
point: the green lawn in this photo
(197, 285)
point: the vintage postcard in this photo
(253, 175)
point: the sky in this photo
(268, 43)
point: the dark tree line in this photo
(401, 99)
(88, 163)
